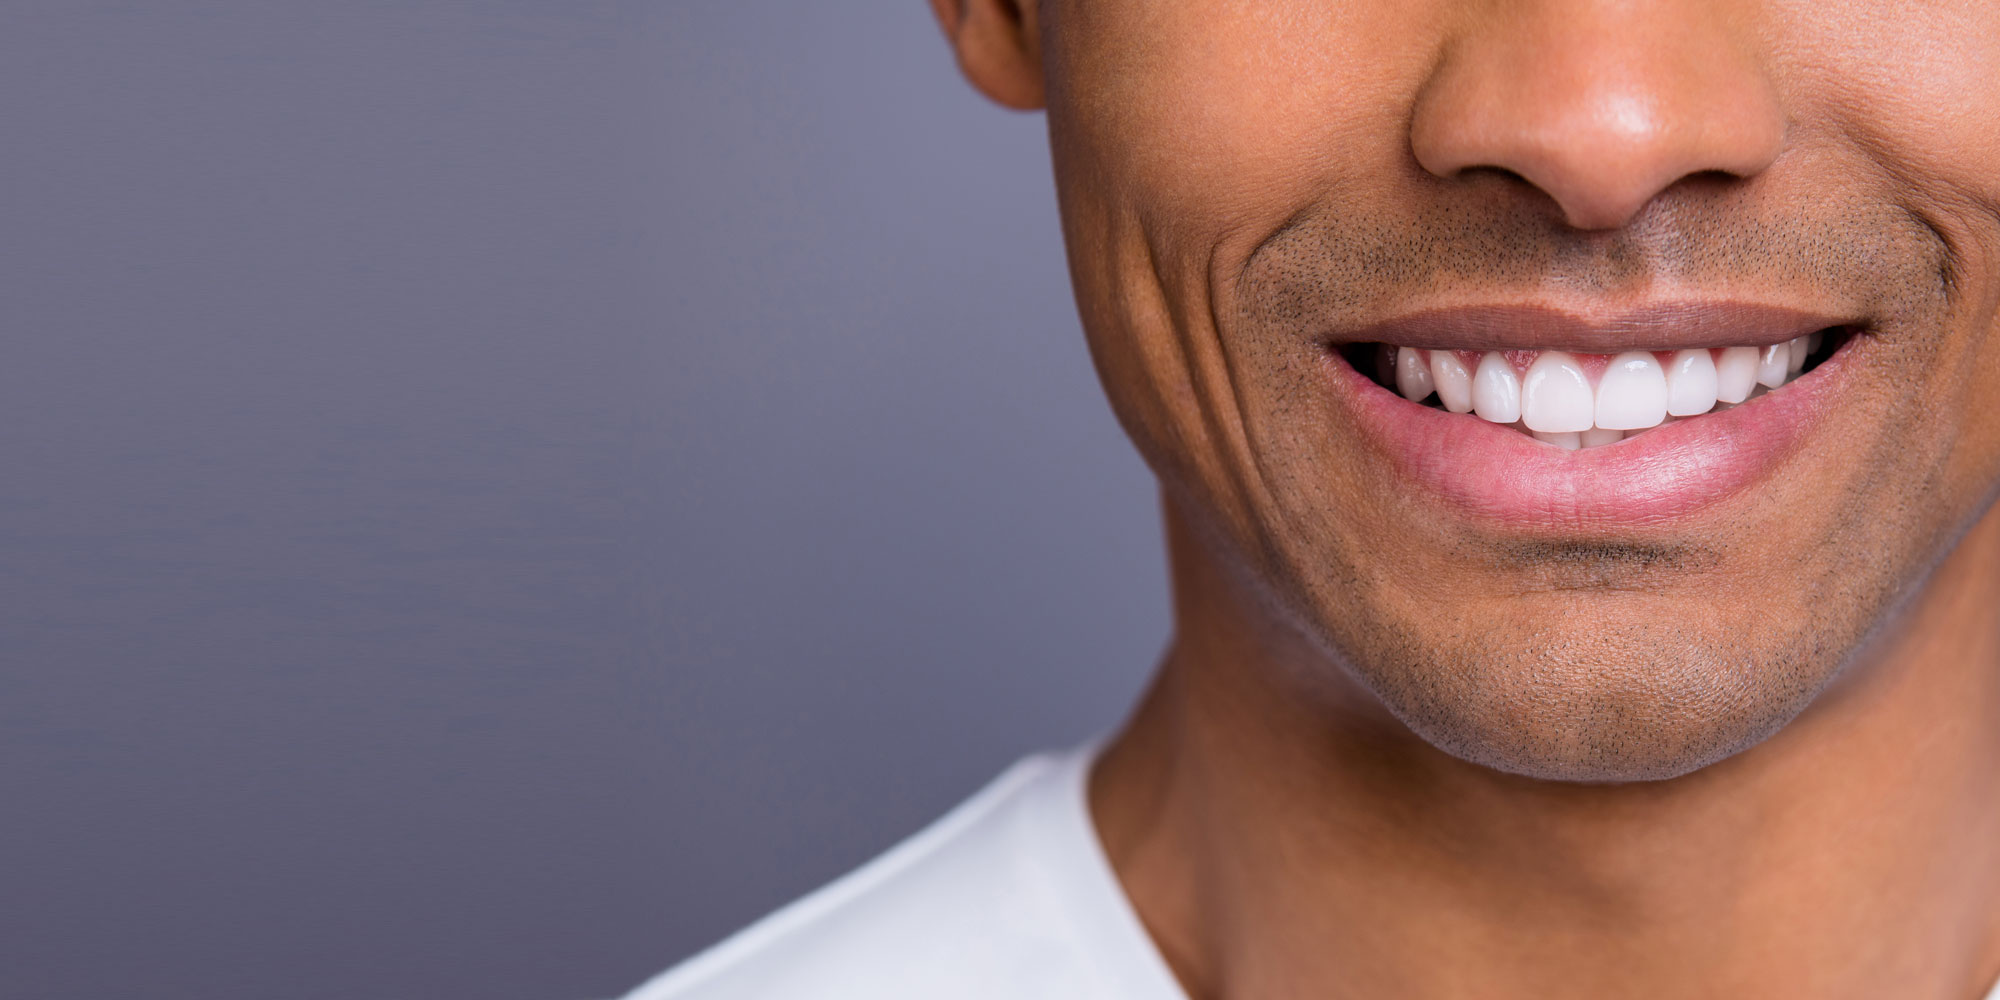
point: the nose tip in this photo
(1600, 115)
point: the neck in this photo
(1279, 848)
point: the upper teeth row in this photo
(1555, 400)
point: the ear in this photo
(998, 48)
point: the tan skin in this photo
(1398, 751)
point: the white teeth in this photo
(1556, 403)
(1691, 383)
(1736, 374)
(1454, 383)
(1632, 393)
(1555, 395)
(1413, 376)
(1496, 392)
(1772, 362)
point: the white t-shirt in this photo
(1008, 897)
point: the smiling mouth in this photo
(1574, 400)
(1549, 419)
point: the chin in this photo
(1630, 704)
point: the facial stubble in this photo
(1611, 657)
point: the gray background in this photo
(495, 495)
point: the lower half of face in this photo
(1605, 502)
(1626, 611)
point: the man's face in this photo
(1259, 193)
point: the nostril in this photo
(1479, 169)
(1709, 180)
(1503, 180)
(1582, 210)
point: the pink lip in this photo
(1666, 473)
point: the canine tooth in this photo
(1632, 393)
(1772, 362)
(1454, 383)
(1736, 374)
(1601, 435)
(1555, 395)
(1496, 392)
(1691, 383)
(1413, 376)
(1813, 340)
(1797, 361)
(1566, 440)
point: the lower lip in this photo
(1669, 472)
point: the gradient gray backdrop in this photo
(495, 495)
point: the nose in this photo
(1601, 104)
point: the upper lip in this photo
(1663, 326)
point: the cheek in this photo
(1184, 133)
(1204, 117)
(1917, 83)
